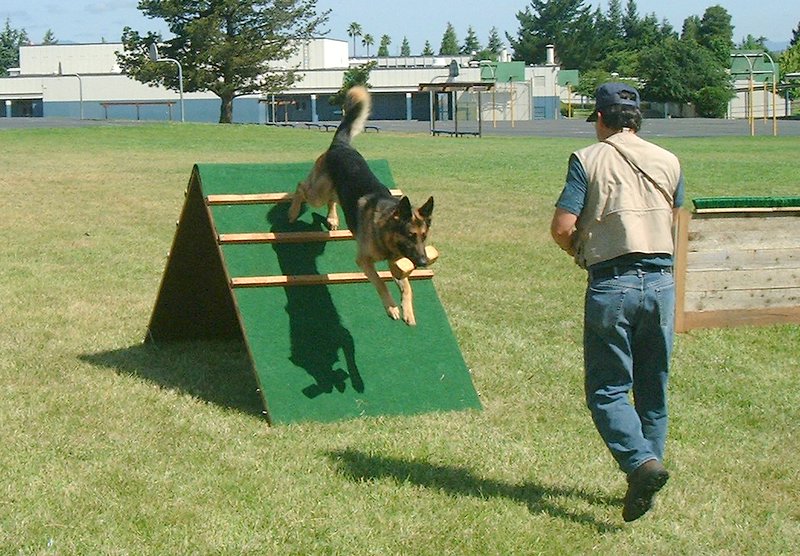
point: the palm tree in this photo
(383, 49)
(367, 40)
(354, 31)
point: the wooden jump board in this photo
(284, 237)
(261, 198)
(320, 279)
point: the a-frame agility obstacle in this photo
(318, 338)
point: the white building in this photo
(84, 80)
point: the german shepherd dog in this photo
(385, 228)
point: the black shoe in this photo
(643, 483)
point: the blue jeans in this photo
(627, 340)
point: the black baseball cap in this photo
(608, 94)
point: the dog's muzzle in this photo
(421, 261)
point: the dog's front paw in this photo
(408, 318)
(333, 223)
(393, 311)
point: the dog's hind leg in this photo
(383, 292)
(298, 199)
(316, 190)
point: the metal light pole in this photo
(750, 58)
(774, 94)
(152, 52)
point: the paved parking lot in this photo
(684, 127)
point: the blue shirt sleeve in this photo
(573, 196)
(680, 193)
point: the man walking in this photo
(615, 216)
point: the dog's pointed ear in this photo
(426, 210)
(403, 209)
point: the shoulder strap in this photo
(638, 168)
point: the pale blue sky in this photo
(420, 20)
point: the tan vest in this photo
(625, 212)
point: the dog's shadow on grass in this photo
(460, 481)
(316, 332)
(218, 372)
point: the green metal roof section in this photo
(568, 77)
(503, 72)
(761, 66)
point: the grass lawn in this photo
(109, 450)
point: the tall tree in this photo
(354, 30)
(405, 47)
(682, 71)
(471, 43)
(590, 80)
(367, 40)
(565, 23)
(795, 36)
(10, 41)
(383, 49)
(647, 31)
(790, 63)
(630, 19)
(691, 28)
(225, 47)
(716, 33)
(608, 39)
(49, 37)
(494, 44)
(752, 43)
(449, 46)
(493, 48)
(623, 32)
(614, 19)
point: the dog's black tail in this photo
(356, 111)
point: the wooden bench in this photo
(333, 127)
(454, 133)
(137, 104)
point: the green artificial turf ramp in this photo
(322, 352)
